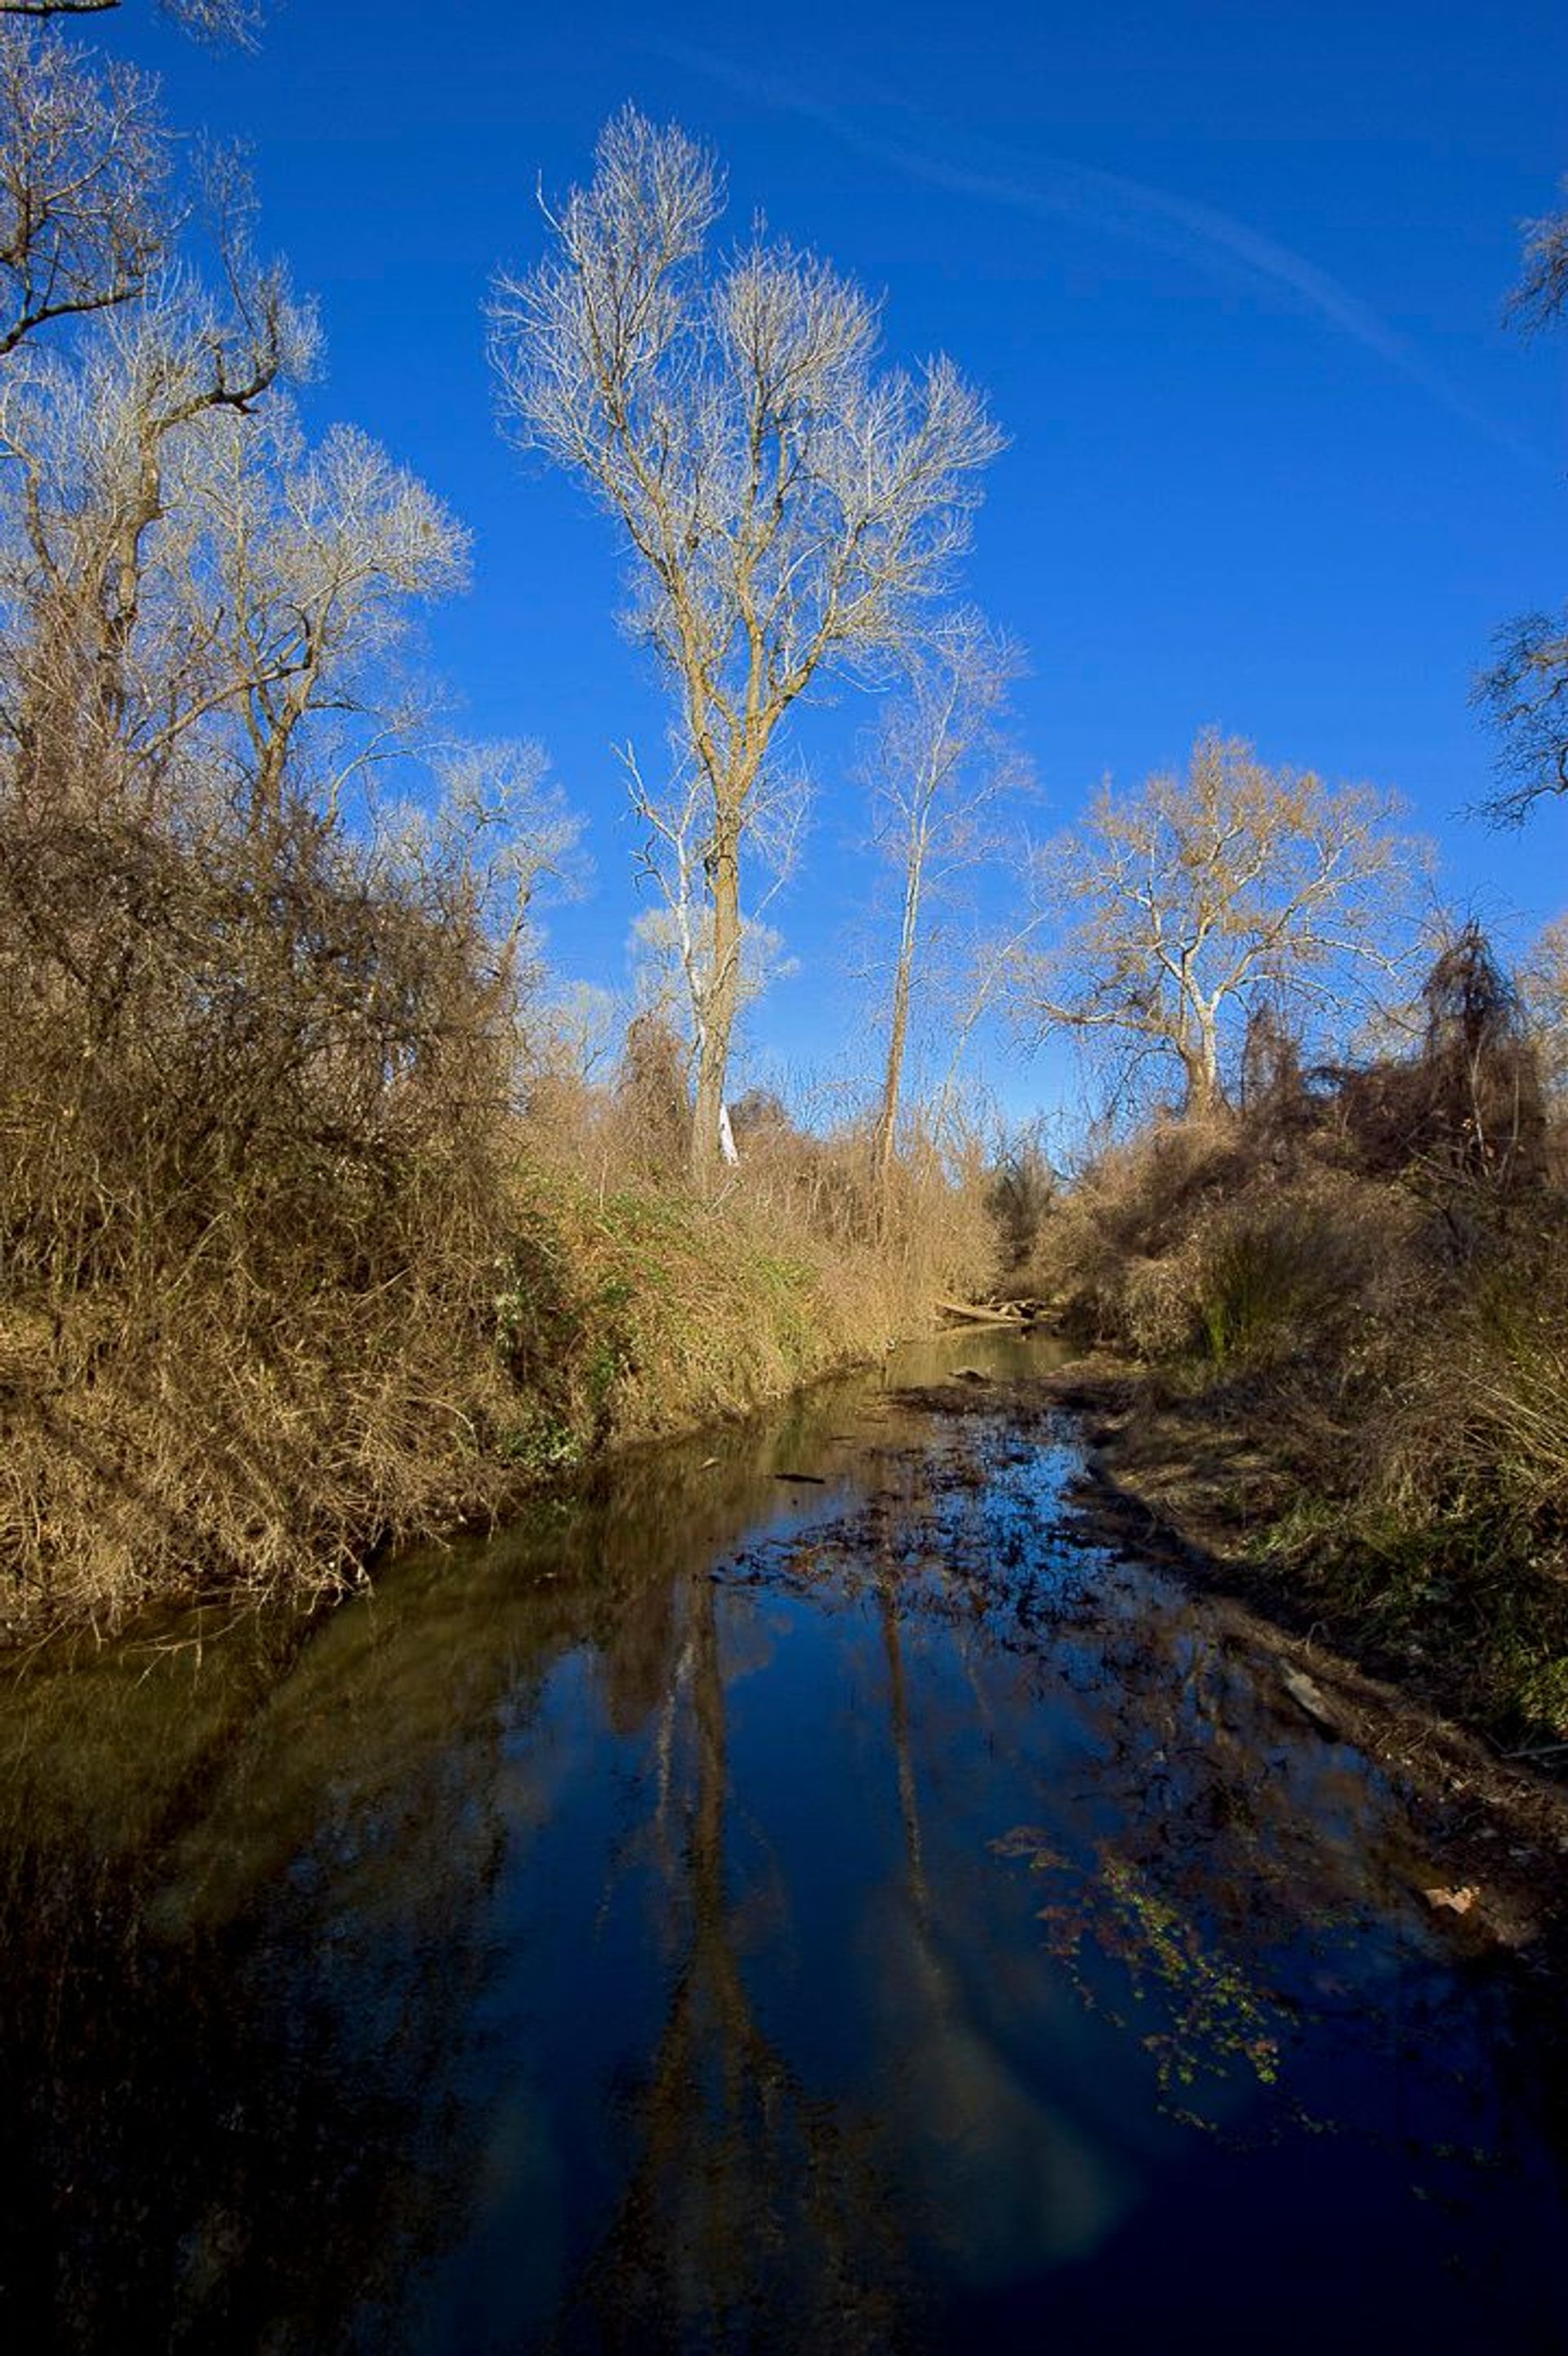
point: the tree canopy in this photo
(1178, 908)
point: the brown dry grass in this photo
(248, 1200)
(1372, 1314)
(641, 1308)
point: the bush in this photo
(249, 1197)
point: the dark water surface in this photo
(731, 1912)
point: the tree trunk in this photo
(1204, 1094)
(719, 1020)
(886, 1131)
(885, 1134)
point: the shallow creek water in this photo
(726, 1911)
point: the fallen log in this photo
(974, 1312)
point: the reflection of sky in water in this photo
(760, 1913)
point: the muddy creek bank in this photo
(852, 1910)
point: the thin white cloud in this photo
(1049, 188)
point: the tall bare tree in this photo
(787, 504)
(1177, 906)
(940, 772)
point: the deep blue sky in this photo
(1231, 274)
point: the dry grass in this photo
(248, 1201)
(1378, 1308)
(638, 1308)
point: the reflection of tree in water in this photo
(243, 1917)
(218, 2117)
(245, 1971)
(1012, 2182)
(754, 2214)
(1247, 1850)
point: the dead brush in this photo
(250, 1199)
(1310, 1267)
(1489, 1397)
(1108, 1254)
(661, 1306)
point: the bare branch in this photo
(1542, 295)
(941, 774)
(1183, 905)
(84, 163)
(208, 20)
(1525, 692)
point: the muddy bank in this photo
(1171, 1481)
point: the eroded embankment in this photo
(1173, 1481)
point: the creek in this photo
(852, 1911)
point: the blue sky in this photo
(1232, 276)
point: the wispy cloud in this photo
(1050, 187)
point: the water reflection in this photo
(726, 1913)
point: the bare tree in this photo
(673, 940)
(85, 216)
(84, 163)
(316, 558)
(940, 772)
(786, 504)
(116, 599)
(1542, 980)
(498, 833)
(1177, 906)
(1525, 692)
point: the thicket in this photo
(1363, 1272)
(289, 1265)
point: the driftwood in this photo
(978, 1312)
(1309, 1698)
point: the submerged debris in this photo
(1310, 1698)
(1457, 1902)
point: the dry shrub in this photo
(1263, 1267)
(248, 1202)
(643, 1306)
(1020, 1194)
(1468, 1110)
(1108, 1258)
(1370, 1283)
(1478, 1424)
(651, 1103)
(1448, 1505)
(1313, 1270)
